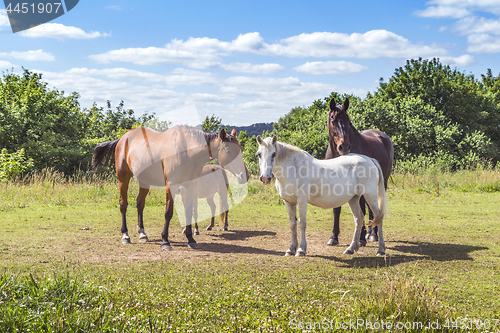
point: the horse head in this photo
(230, 155)
(267, 158)
(338, 127)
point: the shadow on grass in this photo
(409, 251)
(437, 251)
(230, 248)
(236, 235)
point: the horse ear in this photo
(346, 104)
(274, 139)
(332, 104)
(259, 140)
(222, 135)
(233, 132)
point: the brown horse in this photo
(172, 158)
(345, 139)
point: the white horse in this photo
(213, 179)
(303, 179)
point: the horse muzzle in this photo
(344, 148)
(265, 180)
(242, 178)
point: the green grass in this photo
(64, 268)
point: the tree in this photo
(212, 124)
(43, 122)
(51, 128)
(462, 99)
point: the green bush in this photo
(14, 164)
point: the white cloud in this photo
(60, 31)
(207, 52)
(6, 65)
(114, 7)
(330, 67)
(369, 45)
(254, 69)
(237, 100)
(443, 11)
(184, 77)
(461, 61)
(32, 55)
(458, 8)
(483, 43)
(477, 25)
(119, 74)
(4, 19)
(481, 32)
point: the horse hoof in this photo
(348, 251)
(193, 246)
(143, 239)
(166, 247)
(362, 243)
(289, 253)
(380, 253)
(196, 233)
(332, 242)
(225, 229)
(208, 228)
(125, 240)
(300, 253)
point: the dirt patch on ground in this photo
(93, 248)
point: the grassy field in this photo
(64, 268)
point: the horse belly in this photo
(331, 195)
(151, 175)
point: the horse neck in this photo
(286, 153)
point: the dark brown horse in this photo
(345, 139)
(172, 158)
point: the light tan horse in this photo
(172, 158)
(213, 179)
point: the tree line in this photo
(434, 114)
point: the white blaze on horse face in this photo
(267, 159)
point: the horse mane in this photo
(197, 132)
(210, 136)
(284, 150)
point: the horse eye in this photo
(273, 155)
(258, 155)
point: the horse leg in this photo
(223, 218)
(292, 211)
(141, 202)
(362, 238)
(123, 184)
(302, 226)
(377, 221)
(188, 201)
(334, 238)
(372, 231)
(358, 220)
(211, 204)
(224, 209)
(195, 217)
(169, 212)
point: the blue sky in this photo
(246, 62)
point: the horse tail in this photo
(383, 204)
(103, 153)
